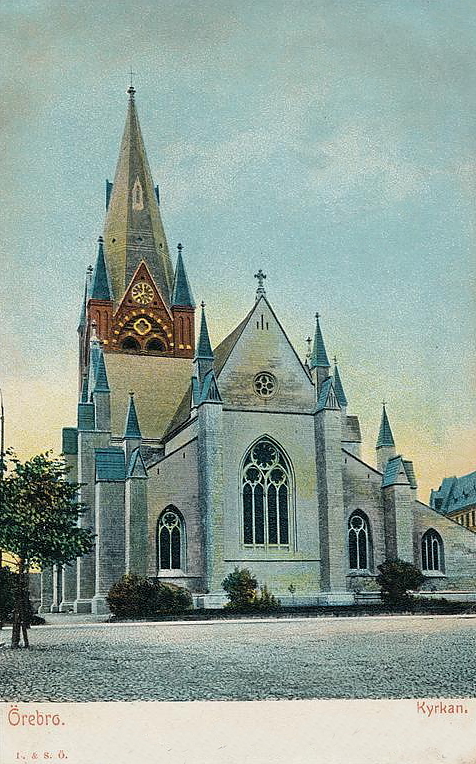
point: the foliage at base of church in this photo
(39, 525)
(137, 597)
(242, 591)
(396, 579)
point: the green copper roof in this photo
(327, 396)
(136, 467)
(204, 348)
(101, 384)
(210, 390)
(110, 464)
(318, 354)
(132, 423)
(70, 440)
(181, 293)
(454, 494)
(100, 289)
(410, 472)
(338, 388)
(395, 473)
(385, 437)
(86, 416)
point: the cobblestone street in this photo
(276, 659)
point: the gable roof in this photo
(395, 473)
(221, 355)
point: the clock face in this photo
(142, 293)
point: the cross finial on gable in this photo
(335, 360)
(261, 277)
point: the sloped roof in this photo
(392, 474)
(327, 395)
(455, 494)
(86, 416)
(136, 467)
(110, 464)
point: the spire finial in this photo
(384, 403)
(202, 305)
(261, 290)
(131, 393)
(335, 360)
(131, 89)
(179, 247)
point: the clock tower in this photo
(138, 307)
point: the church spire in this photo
(133, 231)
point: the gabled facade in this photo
(194, 460)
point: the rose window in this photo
(264, 385)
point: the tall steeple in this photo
(133, 231)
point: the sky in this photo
(328, 142)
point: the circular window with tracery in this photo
(264, 384)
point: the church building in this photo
(193, 460)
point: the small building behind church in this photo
(193, 460)
(456, 498)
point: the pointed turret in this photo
(385, 443)
(87, 289)
(133, 230)
(182, 292)
(204, 352)
(338, 387)
(100, 289)
(132, 429)
(101, 384)
(318, 353)
(318, 360)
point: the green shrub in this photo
(396, 578)
(242, 591)
(136, 597)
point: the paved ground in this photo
(394, 657)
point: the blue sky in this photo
(329, 142)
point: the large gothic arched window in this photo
(170, 541)
(432, 557)
(266, 493)
(360, 542)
